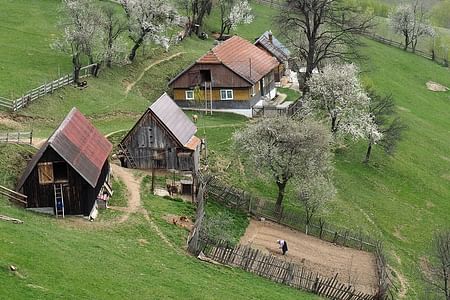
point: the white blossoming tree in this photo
(233, 13)
(81, 35)
(410, 20)
(337, 94)
(282, 149)
(148, 21)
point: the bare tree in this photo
(148, 20)
(337, 94)
(282, 149)
(196, 11)
(314, 194)
(233, 13)
(319, 30)
(440, 269)
(382, 109)
(81, 34)
(411, 21)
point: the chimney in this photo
(270, 37)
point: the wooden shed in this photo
(274, 47)
(163, 138)
(233, 75)
(69, 170)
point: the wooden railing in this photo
(16, 137)
(44, 89)
(13, 196)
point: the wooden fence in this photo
(289, 216)
(46, 88)
(273, 111)
(17, 137)
(430, 56)
(13, 196)
(281, 271)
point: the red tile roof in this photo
(245, 59)
(209, 58)
(80, 144)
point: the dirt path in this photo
(134, 200)
(133, 186)
(132, 84)
(352, 266)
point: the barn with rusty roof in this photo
(235, 74)
(274, 47)
(69, 170)
(163, 138)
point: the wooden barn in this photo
(70, 169)
(274, 47)
(233, 75)
(163, 138)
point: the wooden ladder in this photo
(128, 156)
(59, 200)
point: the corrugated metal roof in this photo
(275, 42)
(80, 144)
(269, 46)
(174, 119)
(244, 58)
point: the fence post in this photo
(31, 137)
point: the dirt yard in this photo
(353, 266)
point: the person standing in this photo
(283, 246)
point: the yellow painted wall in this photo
(238, 94)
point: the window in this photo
(60, 171)
(226, 94)
(190, 95)
(205, 75)
(45, 171)
(253, 91)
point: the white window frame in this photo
(186, 94)
(226, 94)
(253, 91)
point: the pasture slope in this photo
(400, 199)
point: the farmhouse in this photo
(163, 138)
(274, 47)
(69, 170)
(233, 75)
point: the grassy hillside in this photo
(27, 29)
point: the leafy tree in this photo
(196, 11)
(233, 13)
(410, 20)
(282, 149)
(148, 21)
(113, 26)
(80, 23)
(337, 94)
(382, 109)
(320, 30)
(314, 194)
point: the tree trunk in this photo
(110, 44)
(333, 125)
(281, 189)
(136, 46)
(406, 42)
(369, 150)
(76, 68)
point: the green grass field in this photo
(401, 199)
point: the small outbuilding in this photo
(274, 47)
(163, 138)
(70, 170)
